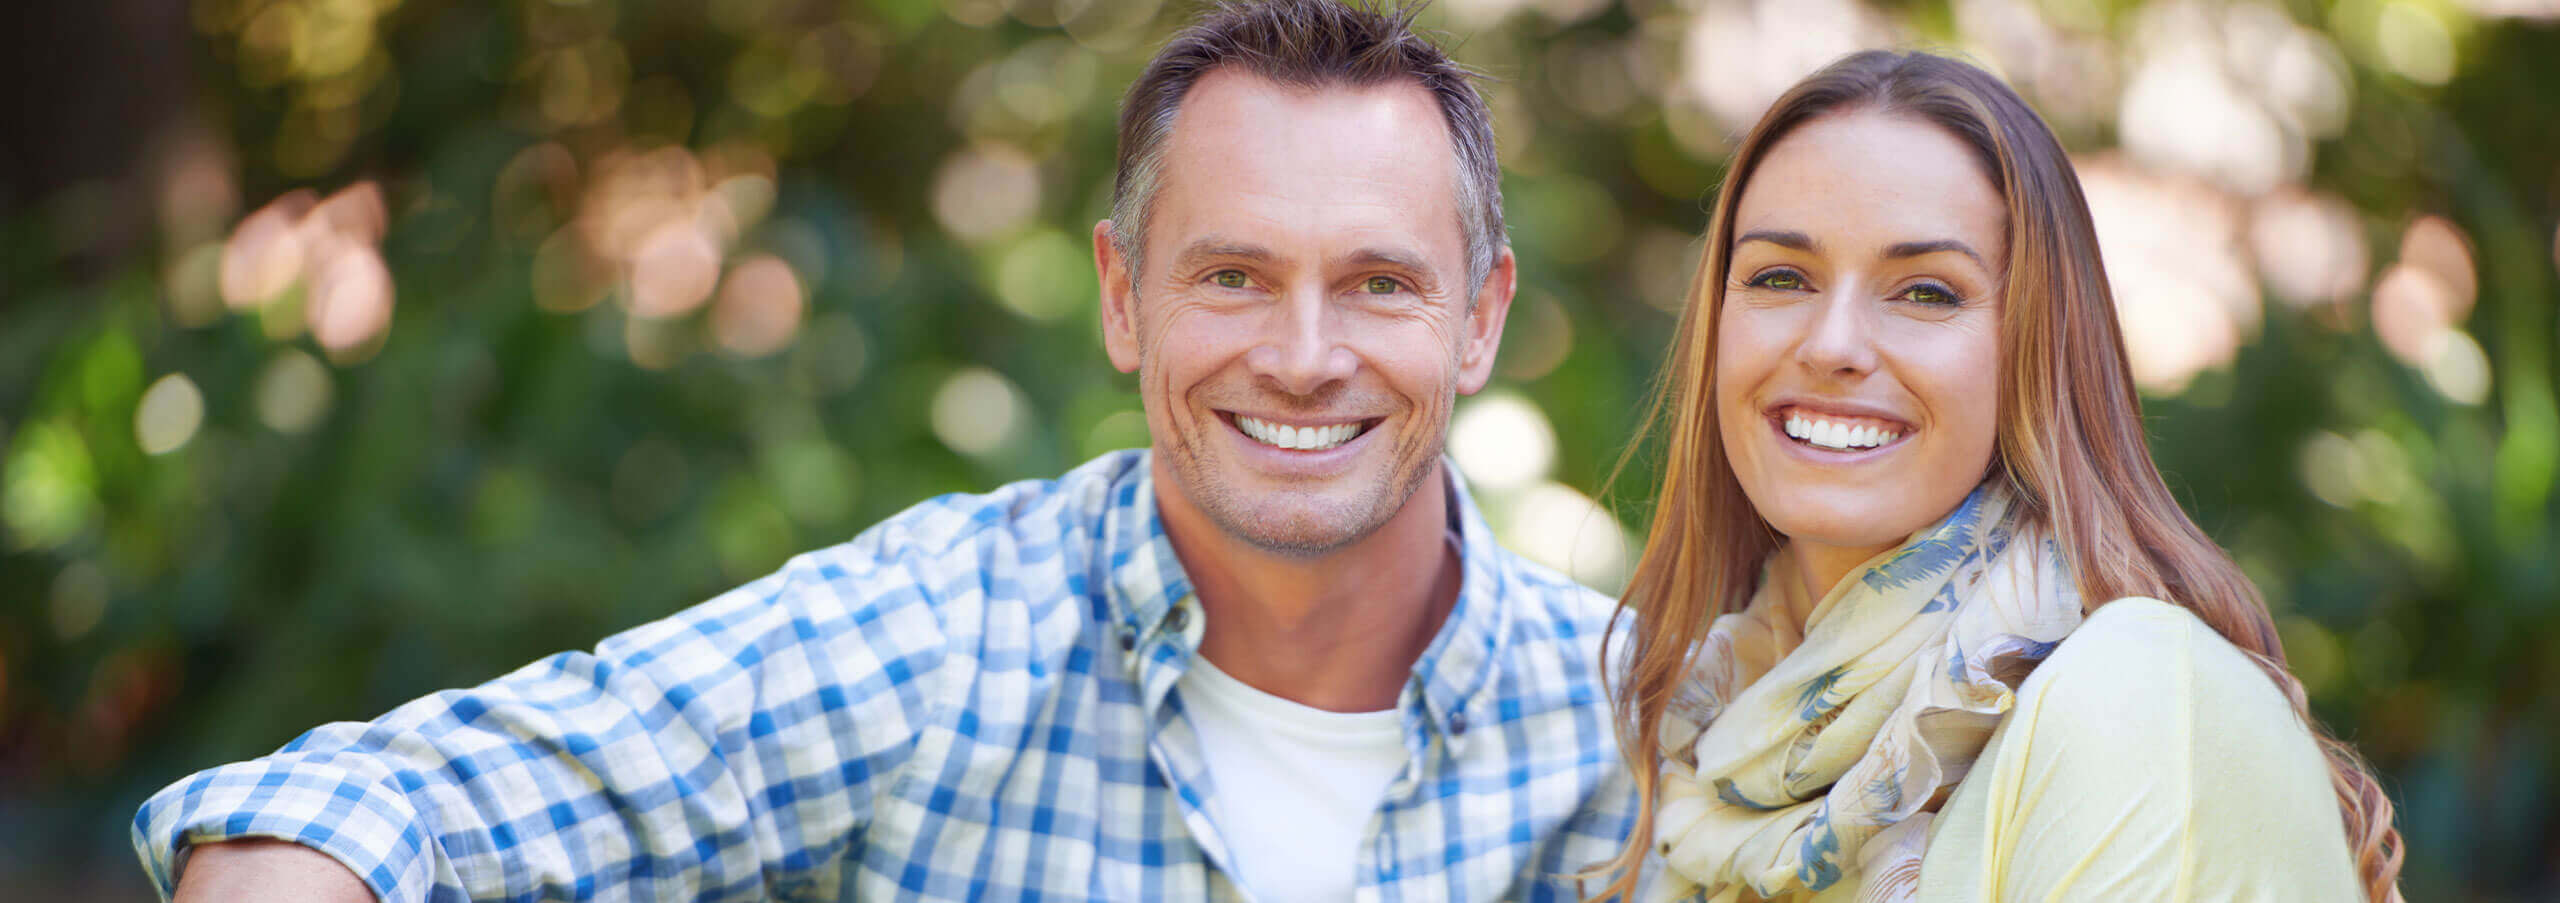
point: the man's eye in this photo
(1229, 278)
(1381, 285)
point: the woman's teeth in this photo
(1300, 438)
(1828, 434)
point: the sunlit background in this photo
(355, 348)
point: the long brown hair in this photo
(2070, 439)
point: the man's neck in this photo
(1338, 631)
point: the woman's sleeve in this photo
(2148, 759)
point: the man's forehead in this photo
(1233, 101)
(1240, 138)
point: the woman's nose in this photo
(1840, 337)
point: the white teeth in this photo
(1297, 438)
(1828, 434)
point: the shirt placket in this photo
(1160, 656)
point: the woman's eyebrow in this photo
(1916, 248)
(1781, 238)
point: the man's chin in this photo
(1294, 531)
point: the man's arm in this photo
(267, 870)
(698, 757)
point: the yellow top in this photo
(2147, 759)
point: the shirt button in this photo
(1458, 723)
(1179, 619)
(1128, 640)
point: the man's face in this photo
(1302, 322)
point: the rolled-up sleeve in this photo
(723, 753)
(2147, 759)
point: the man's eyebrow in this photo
(1209, 249)
(1392, 258)
(1779, 237)
(1900, 250)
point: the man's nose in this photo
(1300, 347)
(1840, 337)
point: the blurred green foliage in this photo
(676, 290)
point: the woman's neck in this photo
(1819, 568)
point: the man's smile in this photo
(1316, 435)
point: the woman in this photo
(1917, 617)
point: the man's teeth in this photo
(1302, 438)
(1829, 434)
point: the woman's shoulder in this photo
(2145, 658)
(2146, 758)
(2146, 698)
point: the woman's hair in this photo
(2070, 437)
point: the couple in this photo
(1916, 617)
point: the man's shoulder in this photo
(937, 567)
(1031, 514)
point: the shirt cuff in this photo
(353, 810)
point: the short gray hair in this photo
(1313, 44)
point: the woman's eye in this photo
(1782, 280)
(1935, 295)
(1229, 278)
(1381, 285)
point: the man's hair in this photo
(1307, 44)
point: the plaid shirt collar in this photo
(1147, 584)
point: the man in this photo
(1277, 656)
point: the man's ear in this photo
(1119, 301)
(1484, 323)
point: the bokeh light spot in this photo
(2310, 248)
(976, 411)
(264, 255)
(1502, 441)
(673, 269)
(49, 495)
(1557, 526)
(194, 282)
(350, 301)
(2414, 43)
(2457, 368)
(816, 480)
(2330, 469)
(170, 412)
(1044, 276)
(2410, 307)
(2436, 245)
(985, 191)
(759, 308)
(294, 390)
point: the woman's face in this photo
(1858, 349)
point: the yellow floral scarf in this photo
(1797, 762)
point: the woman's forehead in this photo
(1863, 181)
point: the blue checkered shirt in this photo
(973, 700)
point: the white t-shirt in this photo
(1296, 786)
